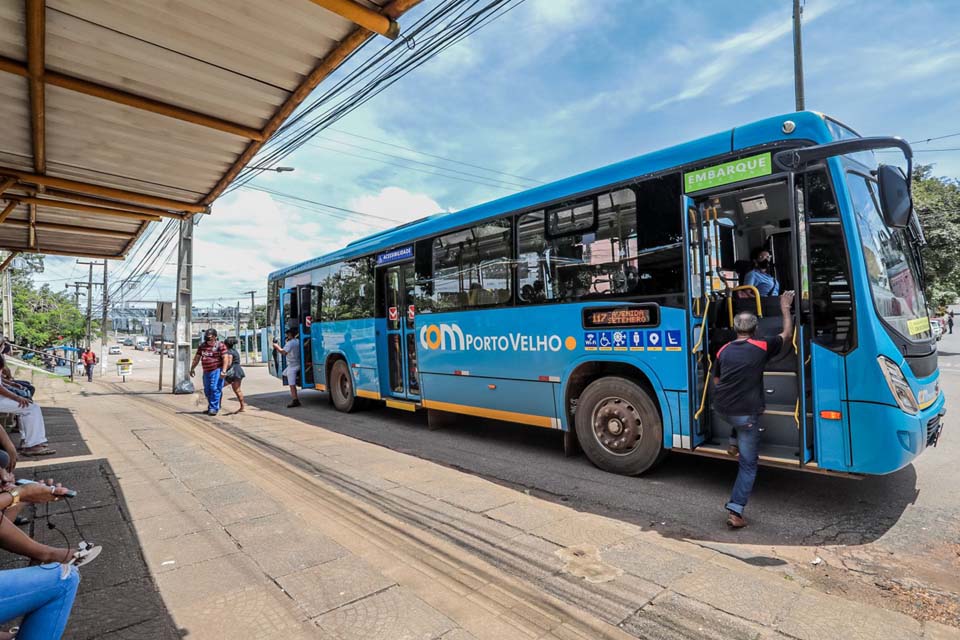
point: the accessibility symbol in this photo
(590, 340)
(636, 341)
(606, 343)
(673, 340)
(620, 340)
(654, 341)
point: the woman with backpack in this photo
(235, 373)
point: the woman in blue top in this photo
(760, 276)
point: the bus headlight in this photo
(898, 385)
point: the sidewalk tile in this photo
(241, 511)
(173, 524)
(228, 493)
(671, 616)
(747, 593)
(186, 586)
(148, 500)
(612, 601)
(131, 603)
(650, 561)
(457, 634)
(819, 615)
(174, 553)
(529, 514)
(388, 615)
(157, 629)
(585, 528)
(327, 586)
(260, 612)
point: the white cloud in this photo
(396, 203)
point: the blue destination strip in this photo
(395, 255)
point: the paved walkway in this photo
(259, 525)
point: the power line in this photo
(397, 164)
(432, 155)
(926, 140)
(297, 198)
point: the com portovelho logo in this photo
(450, 337)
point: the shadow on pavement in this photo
(682, 497)
(117, 597)
(63, 434)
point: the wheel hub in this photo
(617, 425)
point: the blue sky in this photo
(556, 87)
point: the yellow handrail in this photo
(756, 297)
(706, 386)
(795, 349)
(796, 414)
(703, 326)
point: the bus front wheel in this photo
(341, 387)
(618, 426)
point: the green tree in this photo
(41, 316)
(937, 202)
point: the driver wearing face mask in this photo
(760, 276)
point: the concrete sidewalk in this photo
(259, 525)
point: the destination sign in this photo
(647, 315)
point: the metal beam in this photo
(362, 16)
(324, 68)
(6, 183)
(88, 208)
(109, 204)
(70, 254)
(8, 260)
(69, 228)
(7, 210)
(133, 240)
(32, 208)
(105, 192)
(36, 11)
(132, 100)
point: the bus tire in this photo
(341, 388)
(619, 427)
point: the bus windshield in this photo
(891, 264)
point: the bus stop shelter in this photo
(120, 113)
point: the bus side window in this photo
(830, 283)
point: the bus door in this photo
(309, 298)
(400, 312)
(696, 430)
(296, 307)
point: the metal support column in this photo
(183, 333)
(6, 329)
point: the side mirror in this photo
(895, 201)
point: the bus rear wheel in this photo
(341, 388)
(618, 426)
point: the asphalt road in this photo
(903, 527)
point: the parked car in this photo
(114, 350)
(128, 342)
(937, 326)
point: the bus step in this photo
(400, 404)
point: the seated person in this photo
(760, 276)
(34, 436)
(19, 387)
(43, 594)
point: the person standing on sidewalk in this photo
(89, 361)
(212, 354)
(235, 373)
(738, 396)
(292, 350)
(950, 322)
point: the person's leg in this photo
(216, 390)
(208, 388)
(43, 595)
(236, 389)
(31, 422)
(292, 376)
(749, 444)
(15, 541)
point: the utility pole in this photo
(89, 299)
(103, 343)
(253, 322)
(237, 321)
(6, 302)
(797, 55)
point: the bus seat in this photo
(742, 267)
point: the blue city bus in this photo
(596, 305)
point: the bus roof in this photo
(809, 126)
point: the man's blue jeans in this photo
(213, 389)
(748, 440)
(42, 596)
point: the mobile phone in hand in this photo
(69, 494)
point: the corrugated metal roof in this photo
(137, 104)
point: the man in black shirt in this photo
(738, 395)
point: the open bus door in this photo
(698, 307)
(297, 307)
